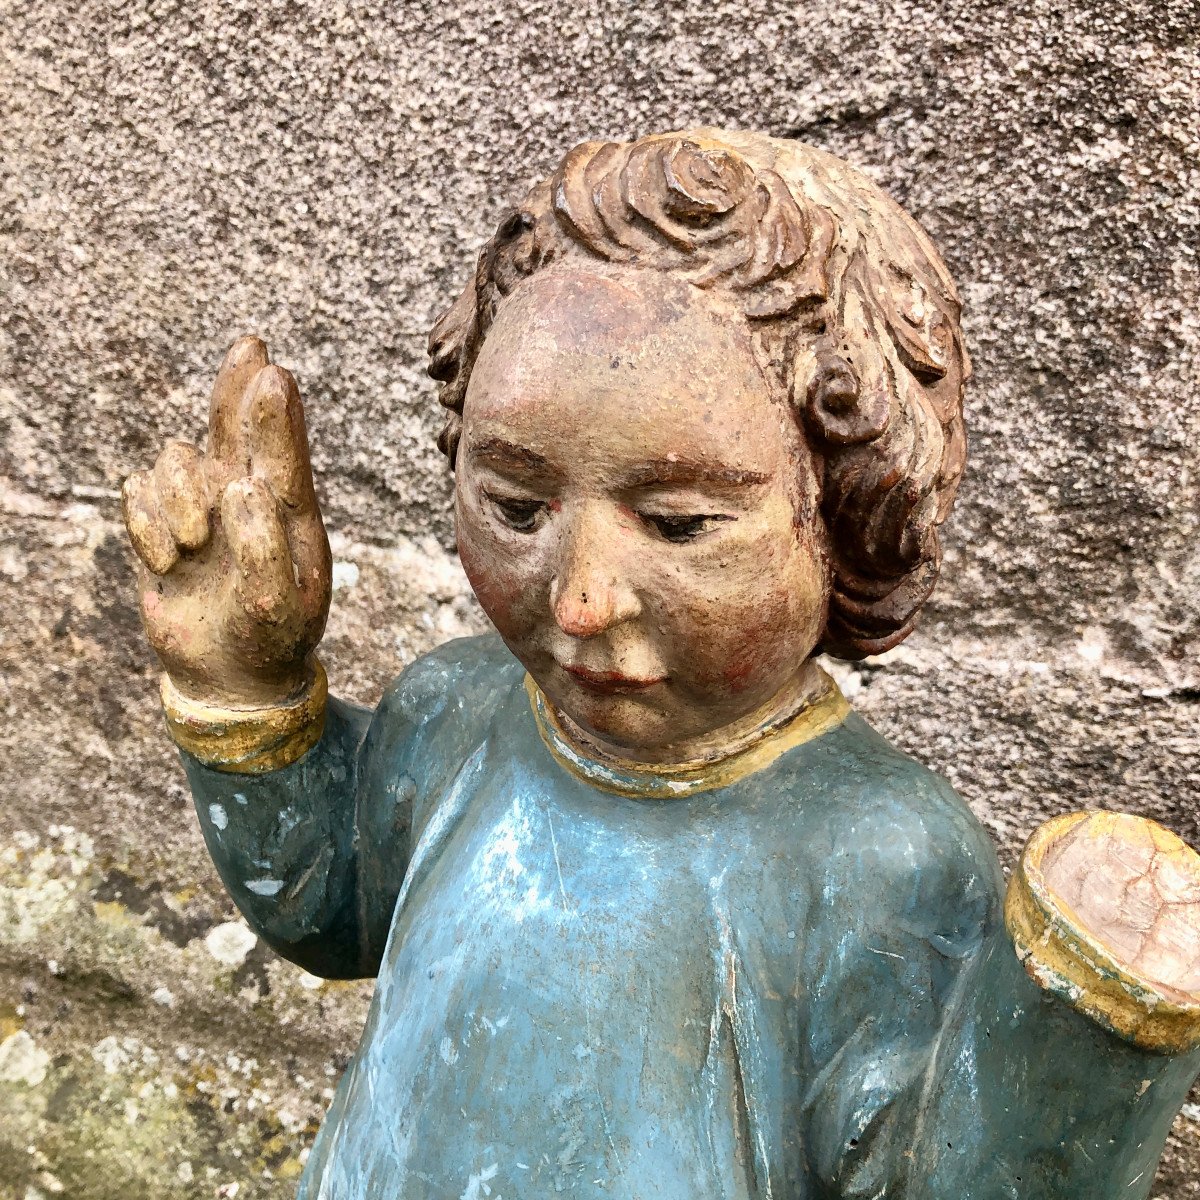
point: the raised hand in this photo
(235, 565)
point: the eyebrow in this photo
(660, 472)
(676, 471)
(508, 454)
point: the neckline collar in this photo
(669, 781)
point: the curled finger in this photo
(182, 494)
(148, 529)
(266, 580)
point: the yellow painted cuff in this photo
(248, 741)
(1065, 959)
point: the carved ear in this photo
(513, 254)
(842, 387)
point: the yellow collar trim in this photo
(669, 781)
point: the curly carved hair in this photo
(849, 307)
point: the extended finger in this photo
(266, 581)
(273, 433)
(245, 358)
(148, 529)
(182, 495)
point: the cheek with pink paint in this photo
(743, 669)
(497, 594)
(765, 649)
(748, 644)
(478, 565)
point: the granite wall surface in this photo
(174, 174)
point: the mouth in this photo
(609, 683)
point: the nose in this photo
(589, 593)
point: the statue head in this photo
(704, 402)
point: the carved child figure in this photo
(652, 913)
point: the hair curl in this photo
(849, 306)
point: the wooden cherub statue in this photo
(652, 913)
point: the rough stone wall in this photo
(174, 174)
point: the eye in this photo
(517, 512)
(682, 528)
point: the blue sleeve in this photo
(913, 892)
(945, 1072)
(1027, 1099)
(314, 854)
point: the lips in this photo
(609, 683)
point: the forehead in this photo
(606, 349)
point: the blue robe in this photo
(795, 984)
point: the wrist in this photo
(1075, 960)
(249, 739)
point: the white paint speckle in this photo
(477, 1185)
(218, 816)
(449, 1051)
(184, 1172)
(311, 982)
(230, 942)
(264, 887)
(163, 996)
(240, 798)
(21, 1060)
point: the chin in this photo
(633, 723)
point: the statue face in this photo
(636, 510)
